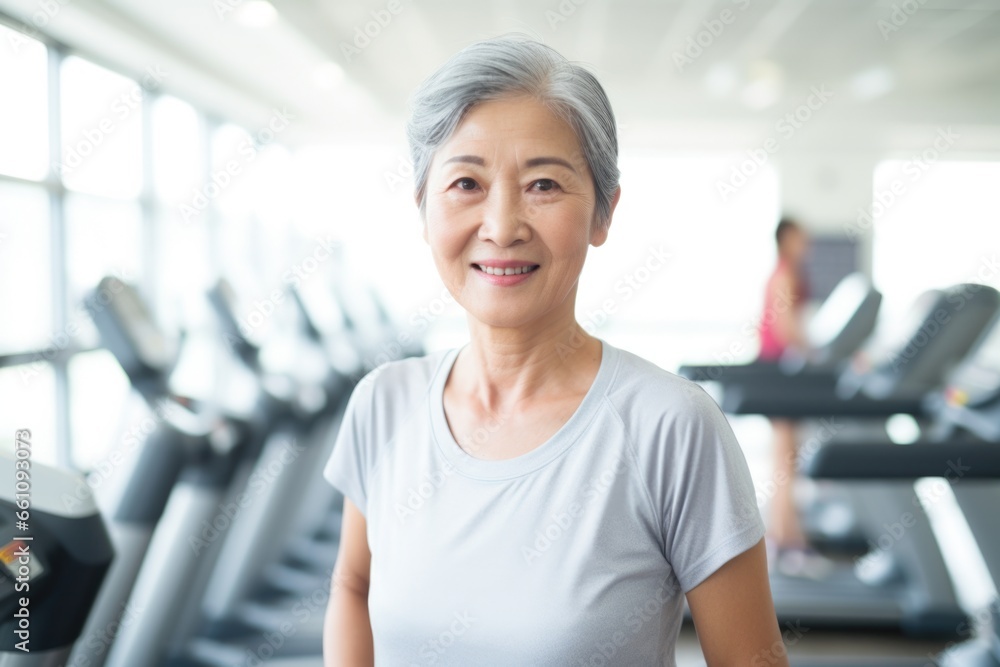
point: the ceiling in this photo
(940, 63)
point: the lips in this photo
(496, 270)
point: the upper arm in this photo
(347, 634)
(353, 566)
(734, 614)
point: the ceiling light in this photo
(765, 83)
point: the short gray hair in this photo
(511, 65)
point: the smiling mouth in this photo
(509, 271)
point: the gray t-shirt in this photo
(576, 553)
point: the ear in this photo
(600, 232)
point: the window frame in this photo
(56, 191)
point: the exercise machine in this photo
(54, 556)
(963, 448)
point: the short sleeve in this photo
(352, 457)
(710, 512)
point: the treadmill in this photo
(180, 437)
(236, 619)
(193, 512)
(840, 326)
(908, 590)
(243, 590)
(964, 447)
(890, 376)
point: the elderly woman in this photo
(536, 496)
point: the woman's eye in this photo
(545, 184)
(466, 184)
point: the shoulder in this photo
(644, 391)
(665, 416)
(396, 387)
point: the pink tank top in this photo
(772, 342)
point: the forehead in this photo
(521, 123)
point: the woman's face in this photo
(509, 212)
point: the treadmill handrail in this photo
(957, 459)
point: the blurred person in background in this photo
(782, 331)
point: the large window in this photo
(101, 130)
(936, 224)
(24, 131)
(103, 174)
(25, 258)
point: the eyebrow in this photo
(533, 162)
(472, 159)
(538, 161)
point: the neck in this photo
(503, 367)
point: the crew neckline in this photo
(520, 465)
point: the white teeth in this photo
(496, 271)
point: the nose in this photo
(504, 217)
